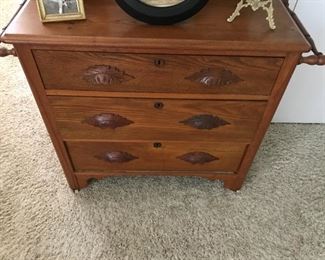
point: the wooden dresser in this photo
(120, 97)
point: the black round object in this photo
(161, 15)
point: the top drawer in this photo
(102, 71)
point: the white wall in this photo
(304, 100)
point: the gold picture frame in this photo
(61, 10)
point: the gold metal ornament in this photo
(266, 5)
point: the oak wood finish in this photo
(137, 72)
(145, 156)
(238, 120)
(77, 93)
(28, 64)
(122, 98)
(107, 25)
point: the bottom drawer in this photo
(155, 156)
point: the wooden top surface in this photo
(107, 25)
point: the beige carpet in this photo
(279, 213)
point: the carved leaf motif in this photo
(214, 77)
(205, 122)
(106, 75)
(198, 158)
(117, 157)
(108, 120)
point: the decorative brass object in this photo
(266, 5)
(106, 75)
(205, 122)
(214, 77)
(108, 120)
(117, 157)
(198, 158)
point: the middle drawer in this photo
(148, 119)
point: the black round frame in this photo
(161, 15)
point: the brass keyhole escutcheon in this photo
(157, 145)
(159, 105)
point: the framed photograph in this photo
(61, 10)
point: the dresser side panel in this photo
(280, 86)
(28, 64)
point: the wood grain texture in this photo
(115, 93)
(286, 72)
(28, 64)
(78, 93)
(108, 25)
(150, 123)
(168, 51)
(138, 73)
(87, 156)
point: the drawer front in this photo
(156, 73)
(150, 156)
(147, 119)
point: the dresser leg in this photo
(83, 181)
(234, 184)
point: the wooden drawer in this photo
(148, 119)
(150, 156)
(156, 73)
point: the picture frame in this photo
(61, 10)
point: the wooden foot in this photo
(83, 181)
(86, 180)
(234, 184)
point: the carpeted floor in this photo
(279, 213)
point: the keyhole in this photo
(159, 62)
(157, 145)
(159, 105)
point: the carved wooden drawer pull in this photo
(108, 120)
(106, 75)
(214, 77)
(198, 158)
(205, 122)
(117, 157)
